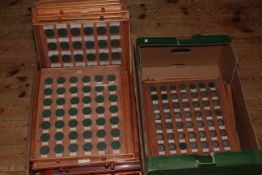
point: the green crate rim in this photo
(192, 41)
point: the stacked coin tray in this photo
(120, 169)
(69, 45)
(190, 116)
(73, 1)
(87, 34)
(82, 114)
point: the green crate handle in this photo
(204, 164)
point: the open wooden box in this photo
(178, 82)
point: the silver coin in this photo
(193, 145)
(171, 146)
(226, 143)
(181, 135)
(202, 134)
(179, 125)
(161, 147)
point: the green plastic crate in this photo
(220, 163)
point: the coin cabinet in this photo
(193, 117)
(84, 113)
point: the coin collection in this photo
(187, 117)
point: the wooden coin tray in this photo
(188, 116)
(82, 117)
(86, 49)
(82, 34)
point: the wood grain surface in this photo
(239, 18)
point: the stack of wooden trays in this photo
(84, 115)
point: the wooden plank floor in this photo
(239, 18)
